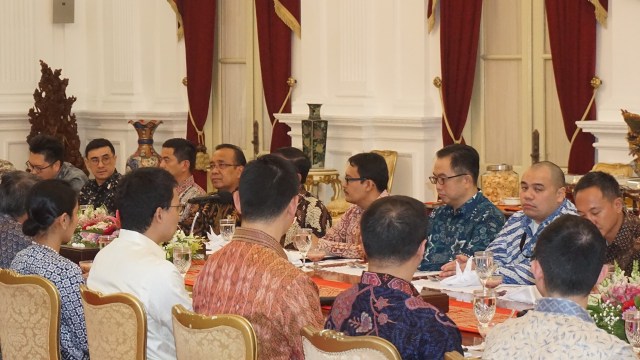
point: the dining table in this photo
(337, 275)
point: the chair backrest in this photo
(333, 345)
(391, 157)
(453, 355)
(29, 317)
(116, 325)
(219, 336)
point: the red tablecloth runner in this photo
(192, 274)
(462, 314)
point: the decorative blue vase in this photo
(314, 137)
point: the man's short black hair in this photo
(392, 228)
(557, 176)
(183, 150)
(140, 193)
(14, 189)
(267, 185)
(607, 184)
(373, 167)
(238, 154)
(464, 159)
(97, 144)
(299, 160)
(571, 253)
(48, 146)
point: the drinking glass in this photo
(493, 281)
(484, 265)
(227, 228)
(484, 306)
(302, 241)
(316, 254)
(632, 328)
(182, 258)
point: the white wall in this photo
(371, 64)
(122, 59)
(617, 66)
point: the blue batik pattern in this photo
(391, 308)
(514, 264)
(466, 230)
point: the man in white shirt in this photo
(135, 263)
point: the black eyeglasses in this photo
(221, 166)
(37, 169)
(522, 240)
(441, 179)
(180, 207)
(350, 179)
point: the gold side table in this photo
(324, 176)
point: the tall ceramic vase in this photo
(314, 137)
(145, 155)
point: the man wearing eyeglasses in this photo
(468, 221)
(178, 157)
(226, 166)
(46, 155)
(100, 158)
(365, 181)
(542, 195)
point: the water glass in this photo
(484, 265)
(316, 254)
(632, 328)
(302, 241)
(227, 228)
(182, 258)
(484, 306)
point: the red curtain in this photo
(459, 33)
(572, 36)
(199, 21)
(274, 39)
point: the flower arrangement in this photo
(618, 294)
(180, 238)
(93, 222)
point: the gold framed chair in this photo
(29, 317)
(453, 355)
(221, 336)
(327, 344)
(116, 325)
(391, 158)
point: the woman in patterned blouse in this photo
(52, 207)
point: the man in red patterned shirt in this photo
(252, 276)
(365, 180)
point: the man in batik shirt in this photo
(365, 180)
(100, 158)
(568, 261)
(599, 200)
(468, 221)
(178, 157)
(385, 303)
(542, 194)
(225, 168)
(311, 213)
(14, 187)
(251, 276)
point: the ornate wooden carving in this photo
(51, 114)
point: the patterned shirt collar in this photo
(526, 221)
(469, 205)
(562, 307)
(388, 281)
(259, 238)
(187, 183)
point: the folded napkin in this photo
(464, 278)
(215, 243)
(525, 294)
(294, 257)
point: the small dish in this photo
(511, 201)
